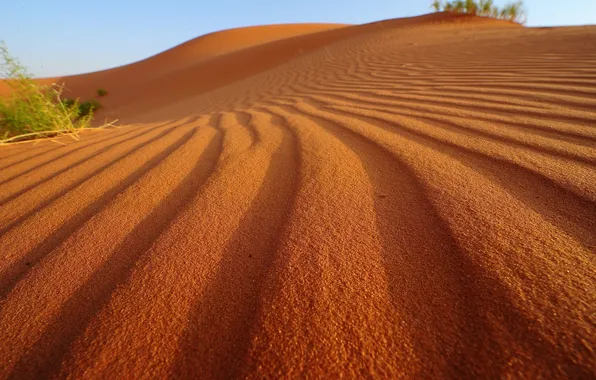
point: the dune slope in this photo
(413, 198)
(123, 81)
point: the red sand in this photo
(414, 198)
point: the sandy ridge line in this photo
(84, 278)
(552, 100)
(577, 214)
(581, 105)
(546, 87)
(424, 130)
(491, 132)
(75, 144)
(531, 187)
(232, 124)
(554, 147)
(28, 152)
(408, 75)
(514, 137)
(107, 162)
(581, 84)
(552, 130)
(184, 257)
(421, 256)
(327, 259)
(397, 96)
(512, 134)
(579, 135)
(500, 74)
(216, 346)
(582, 75)
(65, 157)
(50, 144)
(507, 307)
(574, 178)
(245, 118)
(439, 271)
(16, 169)
(73, 214)
(575, 117)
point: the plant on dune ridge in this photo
(512, 12)
(471, 7)
(515, 12)
(31, 109)
(102, 92)
(459, 6)
(485, 7)
(503, 13)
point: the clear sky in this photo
(56, 37)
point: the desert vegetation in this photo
(513, 11)
(32, 110)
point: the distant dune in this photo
(412, 198)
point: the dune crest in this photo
(412, 198)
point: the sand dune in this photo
(413, 198)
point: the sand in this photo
(414, 198)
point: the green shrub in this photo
(88, 107)
(84, 108)
(33, 109)
(69, 102)
(513, 11)
(102, 92)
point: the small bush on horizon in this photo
(513, 11)
(102, 92)
(32, 109)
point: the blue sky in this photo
(67, 37)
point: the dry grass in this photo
(32, 110)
